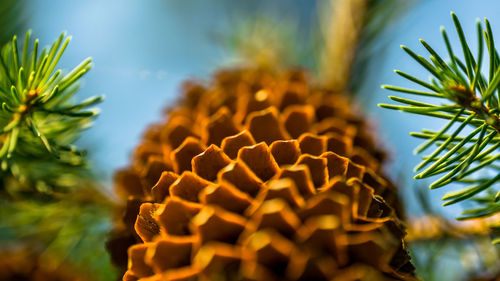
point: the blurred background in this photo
(143, 50)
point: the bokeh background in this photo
(142, 50)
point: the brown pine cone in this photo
(260, 176)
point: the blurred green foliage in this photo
(71, 231)
(12, 18)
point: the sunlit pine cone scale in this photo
(260, 176)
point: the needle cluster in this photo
(465, 151)
(38, 120)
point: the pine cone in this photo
(260, 177)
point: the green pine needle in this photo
(38, 120)
(467, 148)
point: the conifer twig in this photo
(467, 148)
(38, 121)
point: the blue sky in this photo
(142, 50)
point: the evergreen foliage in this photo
(38, 120)
(49, 198)
(467, 149)
(71, 230)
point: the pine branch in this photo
(467, 148)
(68, 231)
(38, 121)
(352, 38)
(48, 194)
(434, 227)
(341, 25)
